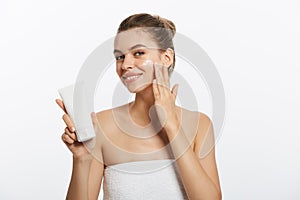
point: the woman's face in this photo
(135, 54)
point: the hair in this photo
(161, 30)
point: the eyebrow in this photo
(131, 48)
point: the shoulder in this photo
(202, 133)
(108, 118)
(204, 140)
(202, 119)
(104, 114)
(107, 114)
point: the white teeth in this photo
(131, 77)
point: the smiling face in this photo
(135, 54)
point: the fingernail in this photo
(73, 129)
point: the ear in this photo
(167, 57)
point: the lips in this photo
(130, 76)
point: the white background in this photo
(254, 45)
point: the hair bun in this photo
(166, 24)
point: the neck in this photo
(139, 108)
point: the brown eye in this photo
(139, 53)
(120, 57)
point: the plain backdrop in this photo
(254, 45)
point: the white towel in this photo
(143, 180)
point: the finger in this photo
(66, 139)
(61, 104)
(158, 75)
(155, 89)
(71, 134)
(161, 85)
(166, 79)
(69, 122)
(175, 90)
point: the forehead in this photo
(127, 39)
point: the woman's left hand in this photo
(165, 100)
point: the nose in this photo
(128, 62)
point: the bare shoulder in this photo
(204, 121)
(107, 114)
(107, 118)
(204, 140)
(201, 119)
(187, 115)
(104, 115)
(200, 127)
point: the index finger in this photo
(61, 104)
(161, 78)
(158, 74)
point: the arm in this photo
(86, 179)
(87, 171)
(199, 175)
(87, 168)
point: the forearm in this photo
(197, 183)
(78, 188)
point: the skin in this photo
(133, 50)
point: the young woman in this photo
(149, 131)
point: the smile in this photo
(130, 79)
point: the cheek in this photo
(118, 70)
(148, 68)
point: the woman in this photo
(151, 129)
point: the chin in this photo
(137, 89)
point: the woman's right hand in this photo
(69, 137)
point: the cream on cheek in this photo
(136, 83)
(143, 64)
(147, 67)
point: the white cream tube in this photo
(83, 122)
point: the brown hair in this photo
(161, 30)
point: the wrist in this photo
(82, 159)
(172, 130)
